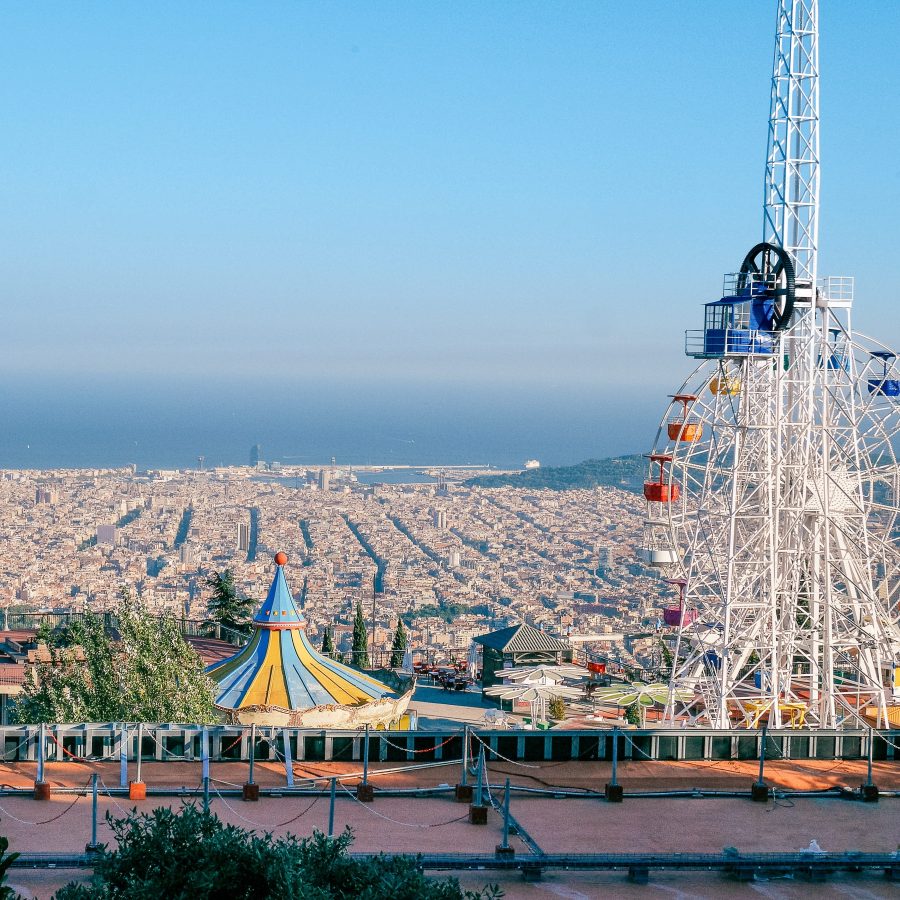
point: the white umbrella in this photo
(472, 662)
(542, 674)
(407, 664)
(535, 694)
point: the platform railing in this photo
(231, 743)
(714, 343)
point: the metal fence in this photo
(172, 742)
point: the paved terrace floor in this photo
(437, 824)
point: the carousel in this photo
(278, 678)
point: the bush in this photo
(188, 853)
(557, 708)
(6, 860)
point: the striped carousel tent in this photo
(279, 674)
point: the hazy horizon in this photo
(173, 422)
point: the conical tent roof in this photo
(279, 609)
(280, 668)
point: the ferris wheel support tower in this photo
(778, 513)
(791, 218)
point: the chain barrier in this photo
(78, 758)
(267, 828)
(6, 758)
(375, 812)
(423, 750)
(78, 796)
(125, 812)
(490, 749)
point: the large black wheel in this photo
(775, 263)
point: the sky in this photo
(534, 196)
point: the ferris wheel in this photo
(787, 563)
(773, 496)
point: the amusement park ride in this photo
(774, 490)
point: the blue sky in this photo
(522, 194)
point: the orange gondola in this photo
(684, 429)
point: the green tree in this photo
(634, 714)
(187, 853)
(557, 708)
(398, 648)
(327, 643)
(226, 606)
(360, 651)
(149, 674)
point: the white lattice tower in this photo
(792, 164)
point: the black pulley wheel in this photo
(773, 263)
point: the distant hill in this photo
(626, 472)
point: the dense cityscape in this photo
(451, 559)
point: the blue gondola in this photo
(838, 358)
(887, 387)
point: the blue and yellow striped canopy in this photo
(279, 667)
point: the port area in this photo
(558, 809)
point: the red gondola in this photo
(661, 491)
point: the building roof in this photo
(279, 609)
(521, 639)
(279, 667)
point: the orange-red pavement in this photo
(635, 775)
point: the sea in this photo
(170, 422)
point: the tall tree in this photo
(327, 643)
(148, 674)
(226, 606)
(360, 639)
(398, 648)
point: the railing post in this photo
(869, 790)
(614, 792)
(251, 789)
(477, 809)
(41, 788)
(331, 807)
(137, 790)
(759, 790)
(463, 788)
(503, 848)
(252, 752)
(206, 793)
(204, 752)
(364, 791)
(123, 756)
(42, 739)
(92, 846)
(366, 758)
(288, 762)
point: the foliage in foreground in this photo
(6, 860)
(150, 674)
(189, 853)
